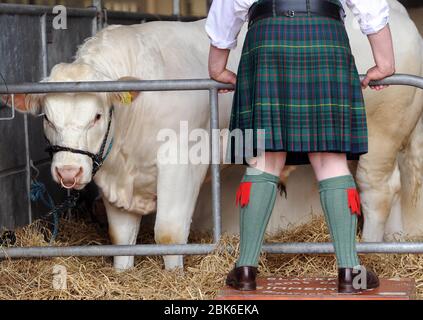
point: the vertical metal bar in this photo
(176, 7)
(28, 167)
(215, 164)
(94, 25)
(99, 21)
(44, 56)
(13, 112)
(44, 67)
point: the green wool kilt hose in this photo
(298, 91)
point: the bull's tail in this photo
(282, 189)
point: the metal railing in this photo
(188, 249)
(93, 19)
(99, 14)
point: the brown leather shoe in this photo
(346, 278)
(242, 278)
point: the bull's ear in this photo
(126, 98)
(26, 103)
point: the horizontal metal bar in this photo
(159, 85)
(113, 86)
(124, 15)
(107, 250)
(22, 168)
(10, 172)
(364, 247)
(6, 8)
(400, 79)
(200, 249)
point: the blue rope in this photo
(39, 193)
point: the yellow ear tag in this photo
(126, 98)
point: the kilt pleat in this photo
(297, 83)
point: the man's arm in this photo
(218, 59)
(383, 53)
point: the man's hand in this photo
(218, 58)
(374, 74)
(226, 76)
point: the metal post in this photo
(28, 167)
(176, 7)
(215, 163)
(44, 55)
(97, 4)
(94, 27)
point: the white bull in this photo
(393, 168)
(133, 183)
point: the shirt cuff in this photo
(375, 26)
(224, 45)
(220, 43)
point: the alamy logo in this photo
(60, 275)
(193, 146)
(360, 278)
(60, 21)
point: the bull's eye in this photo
(97, 117)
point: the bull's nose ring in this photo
(68, 187)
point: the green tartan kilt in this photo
(298, 91)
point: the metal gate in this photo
(29, 48)
(187, 249)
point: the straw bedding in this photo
(94, 278)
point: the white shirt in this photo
(226, 18)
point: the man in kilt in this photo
(298, 90)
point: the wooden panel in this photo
(274, 288)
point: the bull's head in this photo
(76, 124)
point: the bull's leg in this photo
(411, 167)
(394, 230)
(123, 230)
(178, 187)
(378, 179)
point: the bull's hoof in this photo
(123, 264)
(173, 262)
